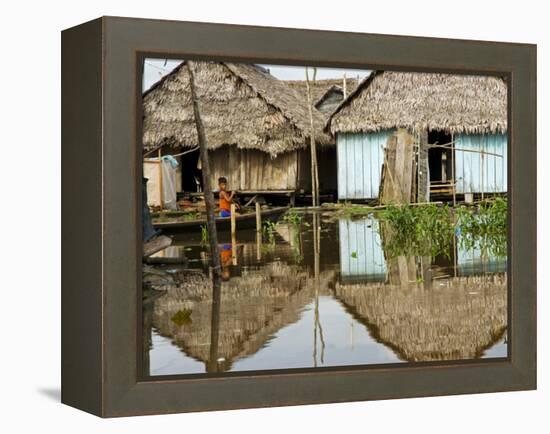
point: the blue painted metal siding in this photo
(360, 158)
(473, 262)
(469, 176)
(361, 252)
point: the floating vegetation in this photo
(269, 230)
(295, 218)
(484, 227)
(417, 230)
(182, 317)
(429, 230)
(354, 211)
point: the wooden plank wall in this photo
(253, 170)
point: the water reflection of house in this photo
(253, 307)
(452, 319)
(361, 253)
(257, 127)
(363, 257)
(470, 111)
(475, 260)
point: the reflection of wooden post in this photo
(258, 218)
(258, 246)
(161, 187)
(233, 235)
(212, 363)
(258, 232)
(316, 282)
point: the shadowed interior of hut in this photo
(191, 174)
(440, 161)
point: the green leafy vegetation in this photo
(429, 230)
(204, 235)
(295, 218)
(484, 227)
(269, 230)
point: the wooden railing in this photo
(442, 187)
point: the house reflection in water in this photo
(289, 305)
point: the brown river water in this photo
(323, 293)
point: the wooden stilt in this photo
(258, 217)
(453, 179)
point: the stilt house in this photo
(257, 127)
(456, 125)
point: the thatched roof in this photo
(241, 105)
(321, 89)
(454, 319)
(471, 104)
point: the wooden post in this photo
(313, 147)
(258, 218)
(258, 246)
(482, 170)
(161, 186)
(233, 220)
(233, 235)
(453, 155)
(206, 180)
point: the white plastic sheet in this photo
(151, 167)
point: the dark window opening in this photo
(440, 160)
(191, 175)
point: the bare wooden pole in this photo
(258, 218)
(482, 170)
(313, 147)
(206, 181)
(453, 155)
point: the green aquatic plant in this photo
(430, 230)
(294, 218)
(182, 317)
(425, 230)
(269, 229)
(204, 235)
(355, 211)
(484, 227)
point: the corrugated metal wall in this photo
(472, 262)
(469, 176)
(361, 252)
(360, 158)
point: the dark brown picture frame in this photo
(101, 217)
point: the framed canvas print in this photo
(261, 217)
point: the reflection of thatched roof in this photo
(321, 89)
(252, 309)
(456, 319)
(240, 105)
(453, 103)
